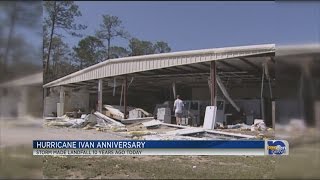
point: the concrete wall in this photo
(51, 103)
(76, 100)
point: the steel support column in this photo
(45, 92)
(174, 90)
(125, 96)
(100, 91)
(61, 107)
(213, 82)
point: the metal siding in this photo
(137, 64)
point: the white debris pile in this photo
(89, 121)
(152, 123)
(62, 121)
(241, 126)
(258, 125)
(117, 112)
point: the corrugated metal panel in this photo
(128, 65)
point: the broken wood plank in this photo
(134, 120)
(104, 117)
(170, 137)
(230, 134)
(174, 125)
(152, 123)
(213, 131)
(186, 131)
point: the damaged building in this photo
(240, 82)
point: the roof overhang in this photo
(128, 65)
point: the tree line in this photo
(59, 59)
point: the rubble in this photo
(60, 123)
(152, 123)
(186, 131)
(100, 115)
(89, 121)
(258, 125)
(134, 120)
(117, 112)
(139, 128)
(241, 126)
(113, 112)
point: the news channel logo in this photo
(277, 147)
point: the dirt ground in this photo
(17, 160)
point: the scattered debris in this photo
(258, 125)
(134, 120)
(170, 137)
(241, 126)
(164, 114)
(186, 131)
(60, 123)
(152, 123)
(100, 115)
(117, 112)
(141, 133)
(139, 128)
(138, 113)
(113, 112)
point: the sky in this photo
(199, 25)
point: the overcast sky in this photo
(197, 25)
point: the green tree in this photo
(89, 51)
(161, 47)
(62, 61)
(110, 28)
(61, 15)
(60, 52)
(118, 52)
(138, 47)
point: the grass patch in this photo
(164, 167)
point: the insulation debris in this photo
(60, 123)
(100, 115)
(186, 131)
(134, 120)
(170, 137)
(117, 112)
(152, 123)
(241, 126)
(258, 125)
(89, 121)
(139, 128)
(141, 133)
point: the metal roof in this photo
(127, 65)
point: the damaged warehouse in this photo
(237, 81)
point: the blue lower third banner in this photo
(135, 147)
